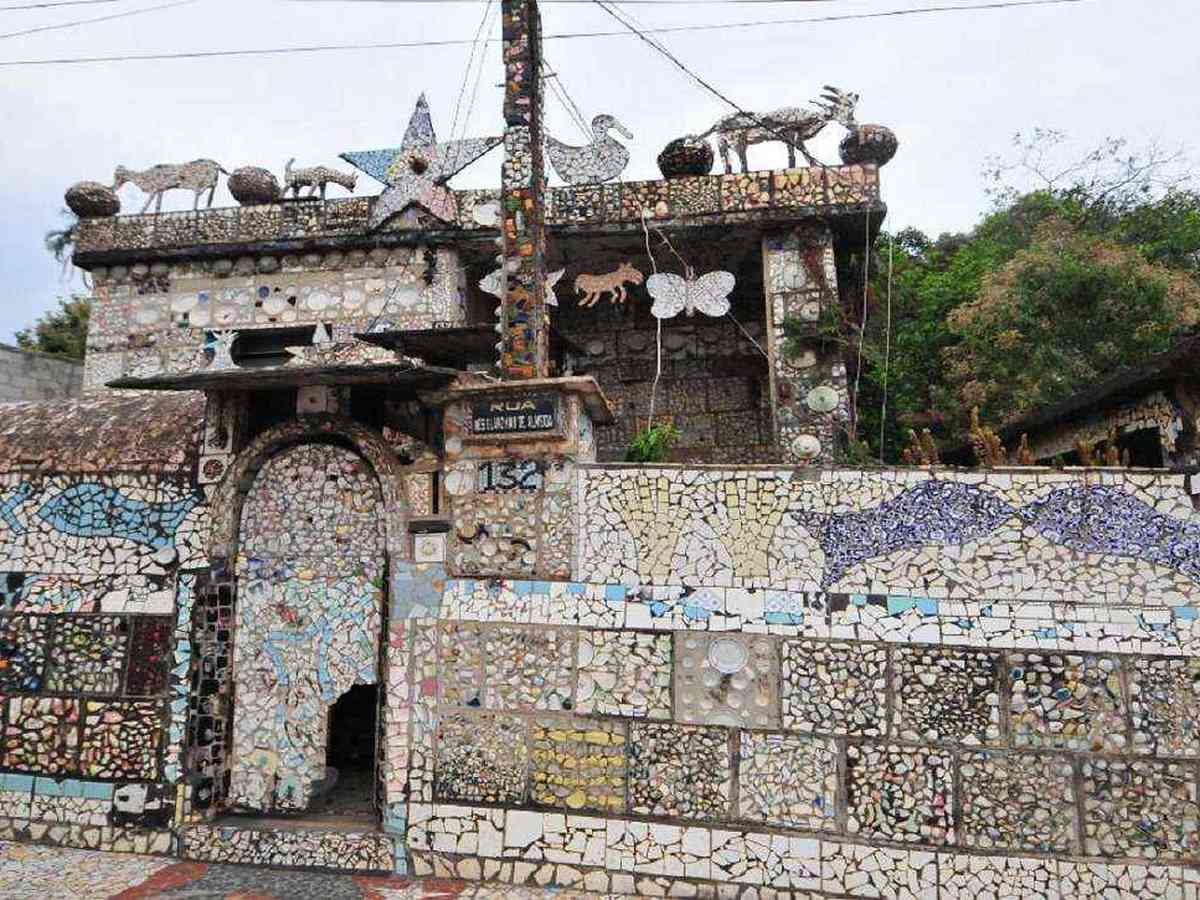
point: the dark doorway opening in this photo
(351, 754)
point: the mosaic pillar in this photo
(809, 396)
(523, 347)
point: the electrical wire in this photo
(458, 42)
(55, 3)
(862, 325)
(108, 18)
(466, 79)
(887, 351)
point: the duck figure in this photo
(601, 160)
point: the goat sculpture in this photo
(314, 179)
(792, 125)
(197, 176)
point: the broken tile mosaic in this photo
(679, 770)
(578, 764)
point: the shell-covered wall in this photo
(149, 319)
(888, 683)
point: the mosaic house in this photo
(336, 564)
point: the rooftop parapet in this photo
(768, 197)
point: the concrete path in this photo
(51, 873)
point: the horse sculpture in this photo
(792, 125)
(197, 176)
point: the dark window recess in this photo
(268, 408)
(268, 346)
(1143, 446)
(367, 406)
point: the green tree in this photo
(60, 242)
(1114, 234)
(61, 331)
(1062, 313)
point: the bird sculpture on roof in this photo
(603, 159)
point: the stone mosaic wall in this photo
(150, 319)
(752, 197)
(714, 382)
(309, 616)
(809, 402)
(892, 684)
(91, 677)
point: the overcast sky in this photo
(954, 87)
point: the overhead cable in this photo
(459, 42)
(108, 18)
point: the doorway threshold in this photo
(336, 843)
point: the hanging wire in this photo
(862, 328)
(658, 330)
(466, 79)
(887, 351)
(559, 90)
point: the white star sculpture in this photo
(417, 170)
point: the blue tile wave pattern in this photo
(89, 509)
(1090, 519)
(1100, 519)
(933, 512)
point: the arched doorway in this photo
(310, 566)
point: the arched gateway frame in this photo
(306, 519)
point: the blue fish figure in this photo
(89, 509)
(8, 506)
(1105, 519)
(932, 512)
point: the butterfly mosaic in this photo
(673, 294)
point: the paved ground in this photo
(51, 873)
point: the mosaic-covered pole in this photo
(523, 348)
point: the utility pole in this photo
(524, 342)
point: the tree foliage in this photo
(1081, 268)
(1069, 309)
(61, 331)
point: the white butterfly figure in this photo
(673, 294)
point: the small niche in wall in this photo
(262, 347)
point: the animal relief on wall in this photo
(602, 160)
(673, 294)
(590, 287)
(791, 125)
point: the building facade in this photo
(336, 565)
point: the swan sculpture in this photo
(602, 160)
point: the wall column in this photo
(523, 347)
(809, 395)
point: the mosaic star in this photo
(417, 170)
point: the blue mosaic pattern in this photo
(1090, 519)
(89, 509)
(1100, 519)
(10, 503)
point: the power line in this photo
(55, 3)
(108, 18)
(458, 42)
(657, 45)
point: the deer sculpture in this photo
(197, 176)
(792, 125)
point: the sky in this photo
(954, 86)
